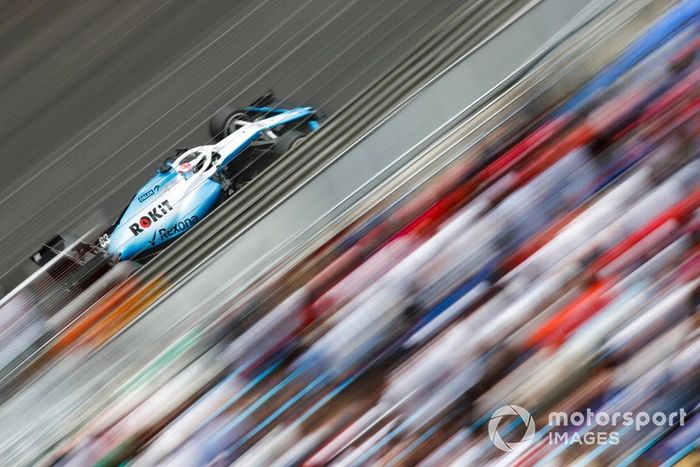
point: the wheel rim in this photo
(229, 126)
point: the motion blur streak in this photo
(524, 291)
(114, 87)
(94, 326)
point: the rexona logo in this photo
(143, 197)
(175, 230)
(152, 216)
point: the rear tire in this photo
(218, 124)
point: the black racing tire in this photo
(287, 141)
(218, 124)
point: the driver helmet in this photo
(190, 164)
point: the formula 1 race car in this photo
(189, 185)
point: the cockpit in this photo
(198, 160)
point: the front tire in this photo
(287, 141)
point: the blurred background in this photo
(488, 254)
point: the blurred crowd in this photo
(555, 271)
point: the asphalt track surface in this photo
(95, 93)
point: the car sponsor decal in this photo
(151, 216)
(174, 230)
(143, 197)
(153, 240)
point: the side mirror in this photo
(166, 166)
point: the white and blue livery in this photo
(191, 184)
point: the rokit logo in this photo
(174, 230)
(152, 216)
